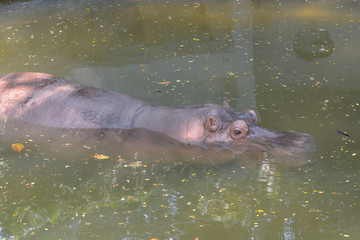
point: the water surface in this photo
(295, 63)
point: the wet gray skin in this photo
(285, 144)
(53, 102)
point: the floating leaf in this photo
(163, 83)
(17, 147)
(101, 156)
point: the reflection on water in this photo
(267, 175)
(313, 43)
(183, 52)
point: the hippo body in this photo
(51, 102)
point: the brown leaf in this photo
(101, 156)
(17, 147)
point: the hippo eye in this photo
(237, 132)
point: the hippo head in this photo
(239, 132)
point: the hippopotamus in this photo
(51, 102)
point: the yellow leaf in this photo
(164, 83)
(17, 147)
(101, 156)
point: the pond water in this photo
(294, 62)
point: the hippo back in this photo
(47, 100)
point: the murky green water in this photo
(296, 64)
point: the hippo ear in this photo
(253, 115)
(248, 114)
(212, 124)
(225, 102)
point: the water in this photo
(294, 63)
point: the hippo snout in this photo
(288, 144)
(282, 145)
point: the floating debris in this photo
(344, 133)
(17, 147)
(101, 156)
